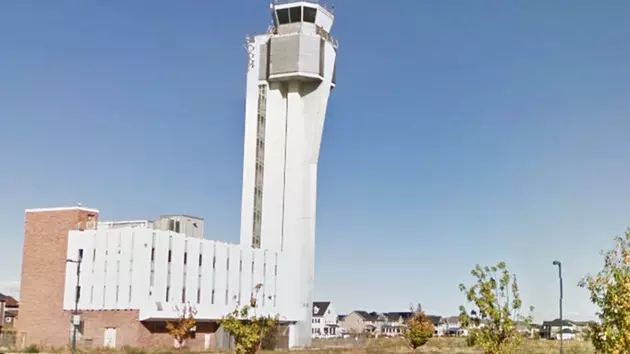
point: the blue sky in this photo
(459, 133)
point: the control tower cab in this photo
(300, 43)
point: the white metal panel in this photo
(127, 241)
(98, 273)
(207, 272)
(220, 282)
(192, 270)
(234, 275)
(266, 278)
(160, 265)
(70, 283)
(85, 243)
(246, 285)
(140, 277)
(111, 277)
(177, 267)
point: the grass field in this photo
(375, 346)
(445, 345)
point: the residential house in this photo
(324, 321)
(394, 323)
(8, 311)
(439, 325)
(550, 329)
(361, 322)
(452, 326)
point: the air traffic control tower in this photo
(291, 72)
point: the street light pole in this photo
(557, 263)
(77, 294)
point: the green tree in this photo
(182, 328)
(419, 329)
(610, 291)
(492, 322)
(247, 328)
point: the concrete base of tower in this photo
(300, 335)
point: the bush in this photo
(31, 349)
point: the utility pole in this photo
(557, 263)
(77, 295)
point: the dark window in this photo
(283, 16)
(80, 255)
(198, 296)
(170, 255)
(309, 14)
(177, 226)
(168, 290)
(200, 260)
(78, 294)
(171, 225)
(212, 297)
(184, 295)
(295, 14)
(214, 262)
(185, 257)
(153, 254)
(240, 266)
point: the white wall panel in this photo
(141, 274)
(110, 269)
(192, 270)
(99, 271)
(207, 273)
(126, 244)
(246, 286)
(124, 277)
(177, 268)
(234, 254)
(85, 243)
(160, 266)
(220, 283)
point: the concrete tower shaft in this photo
(291, 74)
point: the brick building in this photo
(43, 320)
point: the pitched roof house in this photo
(8, 311)
(324, 320)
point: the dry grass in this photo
(444, 346)
(377, 346)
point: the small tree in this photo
(248, 329)
(419, 329)
(182, 328)
(610, 291)
(492, 323)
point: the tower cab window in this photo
(296, 14)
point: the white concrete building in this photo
(291, 74)
(155, 267)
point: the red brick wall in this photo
(130, 332)
(41, 319)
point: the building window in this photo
(152, 254)
(259, 172)
(170, 255)
(168, 290)
(183, 295)
(185, 257)
(200, 260)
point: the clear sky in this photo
(459, 133)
